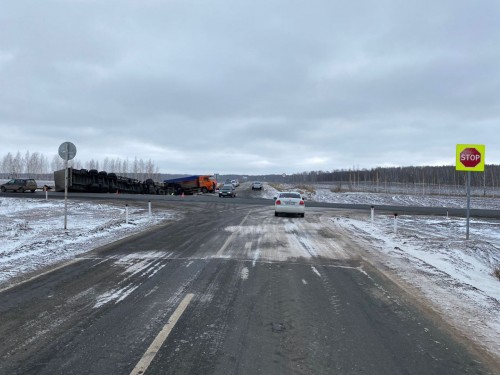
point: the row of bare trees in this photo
(38, 165)
(434, 175)
(415, 180)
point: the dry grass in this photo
(336, 189)
(307, 188)
(278, 187)
(496, 272)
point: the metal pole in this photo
(66, 188)
(149, 208)
(468, 205)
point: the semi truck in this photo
(192, 184)
(93, 181)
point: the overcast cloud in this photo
(251, 87)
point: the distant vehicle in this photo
(257, 185)
(20, 185)
(235, 183)
(290, 202)
(227, 191)
(193, 184)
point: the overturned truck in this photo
(94, 181)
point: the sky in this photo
(251, 87)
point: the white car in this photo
(257, 185)
(289, 202)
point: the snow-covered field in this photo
(33, 235)
(429, 255)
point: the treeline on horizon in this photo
(428, 175)
(37, 165)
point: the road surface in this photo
(227, 289)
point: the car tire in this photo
(33, 191)
(20, 190)
(275, 213)
(302, 215)
(3, 189)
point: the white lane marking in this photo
(315, 271)
(304, 282)
(256, 256)
(155, 346)
(244, 273)
(190, 262)
(230, 238)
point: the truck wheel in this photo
(204, 190)
(3, 189)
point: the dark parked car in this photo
(227, 191)
(20, 185)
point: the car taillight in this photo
(301, 203)
(278, 202)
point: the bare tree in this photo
(57, 163)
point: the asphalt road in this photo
(246, 196)
(227, 289)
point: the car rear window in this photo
(290, 195)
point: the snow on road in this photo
(430, 254)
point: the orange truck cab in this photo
(193, 184)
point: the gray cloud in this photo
(251, 87)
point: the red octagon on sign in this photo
(470, 157)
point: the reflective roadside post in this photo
(67, 151)
(396, 222)
(373, 213)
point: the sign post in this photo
(470, 158)
(67, 151)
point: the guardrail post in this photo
(373, 213)
(149, 208)
(126, 214)
(395, 222)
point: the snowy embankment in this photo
(33, 234)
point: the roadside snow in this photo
(431, 255)
(33, 234)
